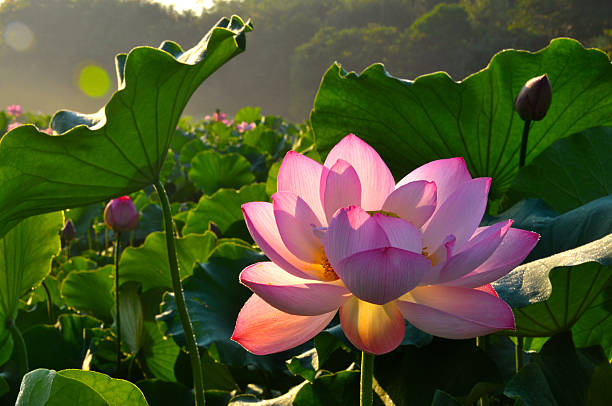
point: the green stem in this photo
(518, 353)
(181, 306)
(118, 314)
(367, 372)
(481, 342)
(49, 303)
(20, 347)
(524, 143)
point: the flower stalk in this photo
(118, 314)
(179, 297)
(518, 353)
(20, 347)
(523, 154)
(366, 395)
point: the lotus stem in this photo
(118, 316)
(518, 353)
(181, 306)
(524, 143)
(49, 303)
(366, 395)
(20, 347)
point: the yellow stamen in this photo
(384, 213)
(426, 254)
(328, 270)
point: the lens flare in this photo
(18, 36)
(93, 81)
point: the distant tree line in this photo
(293, 44)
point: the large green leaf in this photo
(121, 148)
(148, 264)
(161, 393)
(559, 233)
(454, 366)
(69, 339)
(570, 173)
(25, 261)
(77, 291)
(551, 294)
(561, 375)
(211, 171)
(411, 123)
(224, 210)
(333, 389)
(44, 387)
(595, 325)
(159, 353)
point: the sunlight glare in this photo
(93, 81)
(18, 36)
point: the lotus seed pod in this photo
(121, 215)
(534, 99)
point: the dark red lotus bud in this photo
(534, 99)
(69, 231)
(121, 215)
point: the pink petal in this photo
(301, 175)
(400, 233)
(476, 251)
(291, 294)
(259, 217)
(514, 248)
(456, 313)
(376, 179)
(447, 174)
(488, 288)
(414, 202)
(383, 274)
(298, 225)
(352, 230)
(372, 328)
(340, 187)
(459, 215)
(262, 329)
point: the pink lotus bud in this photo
(69, 231)
(121, 215)
(534, 99)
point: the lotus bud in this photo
(69, 231)
(121, 215)
(534, 99)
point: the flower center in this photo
(328, 270)
(384, 213)
(426, 254)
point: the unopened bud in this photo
(534, 99)
(121, 215)
(69, 231)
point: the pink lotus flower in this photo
(343, 236)
(244, 126)
(14, 110)
(217, 116)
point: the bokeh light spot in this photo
(18, 36)
(94, 81)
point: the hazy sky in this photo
(181, 5)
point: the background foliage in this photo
(295, 42)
